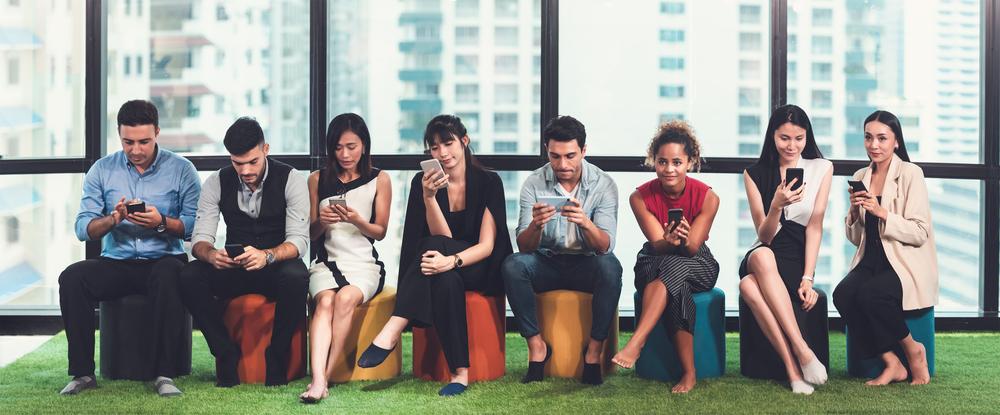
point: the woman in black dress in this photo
(454, 240)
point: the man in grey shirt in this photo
(565, 249)
(265, 204)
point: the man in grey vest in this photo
(265, 204)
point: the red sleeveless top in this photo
(690, 202)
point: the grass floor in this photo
(967, 381)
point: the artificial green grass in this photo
(967, 381)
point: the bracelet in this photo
(808, 278)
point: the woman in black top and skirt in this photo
(454, 240)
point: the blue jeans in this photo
(525, 274)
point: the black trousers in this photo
(206, 291)
(83, 284)
(439, 300)
(871, 303)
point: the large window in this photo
(715, 75)
(41, 79)
(209, 63)
(477, 57)
(923, 67)
(37, 213)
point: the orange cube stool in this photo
(250, 319)
(369, 318)
(564, 319)
(487, 344)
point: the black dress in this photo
(870, 297)
(439, 300)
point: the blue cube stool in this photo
(759, 360)
(921, 324)
(658, 360)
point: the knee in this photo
(841, 297)
(609, 270)
(347, 302)
(749, 290)
(73, 274)
(516, 267)
(762, 259)
(325, 300)
(190, 272)
(431, 243)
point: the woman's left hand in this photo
(347, 214)
(808, 295)
(870, 203)
(433, 263)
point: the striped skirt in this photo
(683, 276)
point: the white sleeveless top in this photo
(813, 171)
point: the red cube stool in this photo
(487, 343)
(249, 319)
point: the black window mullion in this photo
(94, 94)
(317, 81)
(990, 147)
(550, 66)
(779, 53)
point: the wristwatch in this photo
(458, 261)
(269, 256)
(162, 227)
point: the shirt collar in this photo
(152, 166)
(586, 178)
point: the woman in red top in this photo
(674, 263)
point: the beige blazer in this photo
(907, 234)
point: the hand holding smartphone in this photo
(794, 173)
(857, 186)
(428, 166)
(234, 250)
(135, 206)
(557, 202)
(674, 217)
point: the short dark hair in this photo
(675, 132)
(565, 128)
(138, 112)
(243, 136)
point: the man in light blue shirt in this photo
(568, 249)
(140, 203)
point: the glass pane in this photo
(400, 63)
(853, 57)
(41, 79)
(955, 214)
(206, 63)
(37, 237)
(707, 62)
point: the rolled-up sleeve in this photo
(190, 192)
(527, 201)
(606, 210)
(297, 212)
(207, 217)
(92, 202)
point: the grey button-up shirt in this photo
(296, 213)
(598, 194)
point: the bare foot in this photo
(313, 395)
(685, 384)
(627, 356)
(918, 365)
(893, 373)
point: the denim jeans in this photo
(525, 274)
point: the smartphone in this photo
(794, 173)
(674, 216)
(333, 201)
(857, 186)
(429, 166)
(557, 202)
(135, 207)
(234, 250)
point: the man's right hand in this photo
(221, 260)
(120, 212)
(541, 214)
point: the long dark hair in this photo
(338, 126)
(890, 120)
(787, 114)
(446, 127)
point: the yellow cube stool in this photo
(564, 318)
(368, 321)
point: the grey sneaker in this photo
(79, 384)
(165, 387)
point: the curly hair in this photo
(675, 132)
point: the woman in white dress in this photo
(350, 203)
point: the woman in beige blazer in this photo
(895, 268)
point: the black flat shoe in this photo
(536, 370)
(374, 356)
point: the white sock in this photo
(801, 387)
(814, 372)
